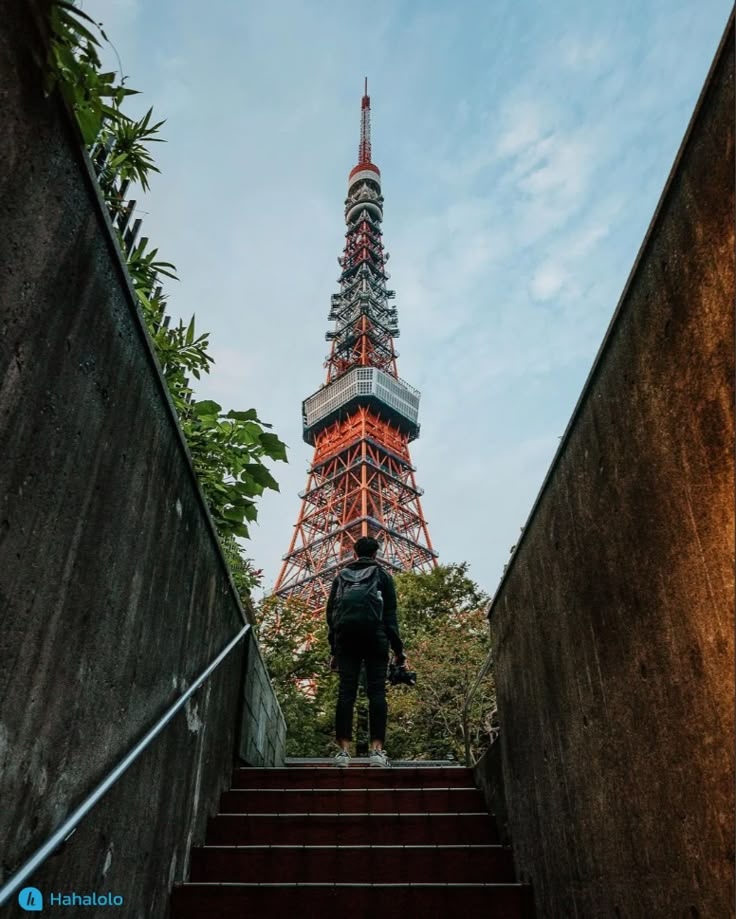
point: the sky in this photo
(523, 147)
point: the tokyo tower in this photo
(361, 420)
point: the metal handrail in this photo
(483, 672)
(64, 831)
(468, 699)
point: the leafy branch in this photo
(75, 67)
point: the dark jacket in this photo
(390, 622)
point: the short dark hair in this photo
(366, 547)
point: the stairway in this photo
(359, 842)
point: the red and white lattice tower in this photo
(361, 421)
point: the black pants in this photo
(349, 658)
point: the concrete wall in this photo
(488, 776)
(613, 628)
(113, 591)
(262, 740)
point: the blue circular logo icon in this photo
(31, 899)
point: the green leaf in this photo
(248, 433)
(273, 447)
(89, 123)
(207, 407)
(261, 475)
(113, 113)
(70, 16)
(250, 415)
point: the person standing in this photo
(362, 624)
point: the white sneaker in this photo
(378, 758)
(342, 759)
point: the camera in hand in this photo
(397, 675)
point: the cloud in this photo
(584, 53)
(547, 280)
(524, 125)
(560, 165)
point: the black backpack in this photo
(358, 601)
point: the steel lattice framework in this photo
(361, 421)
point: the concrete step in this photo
(351, 829)
(350, 800)
(354, 777)
(353, 864)
(357, 901)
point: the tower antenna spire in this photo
(364, 148)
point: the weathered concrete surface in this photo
(262, 740)
(113, 591)
(488, 776)
(613, 628)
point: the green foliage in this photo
(74, 66)
(295, 648)
(442, 621)
(427, 720)
(245, 576)
(228, 448)
(426, 600)
(444, 627)
(128, 156)
(145, 270)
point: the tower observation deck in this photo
(362, 419)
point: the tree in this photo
(446, 634)
(294, 646)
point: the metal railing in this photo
(482, 674)
(65, 830)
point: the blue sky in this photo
(523, 148)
